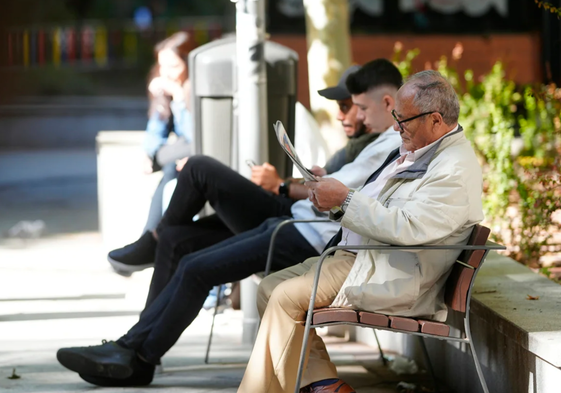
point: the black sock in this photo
(324, 382)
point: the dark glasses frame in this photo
(399, 122)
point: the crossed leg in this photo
(283, 299)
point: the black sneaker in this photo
(142, 375)
(108, 360)
(134, 257)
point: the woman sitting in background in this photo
(168, 92)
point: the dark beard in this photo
(361, 131)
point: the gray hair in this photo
(435, 93)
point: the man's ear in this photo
(389, 102)
(436, 119)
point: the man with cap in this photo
(358, 133)
(191, 257)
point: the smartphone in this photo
(250, 163)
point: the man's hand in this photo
(327, 193)
(267, 177)
(318, 171)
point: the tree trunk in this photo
(329, 54)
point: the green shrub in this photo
(516, 133)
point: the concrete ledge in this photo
(517, 340)
(501, 299)
(124, 190)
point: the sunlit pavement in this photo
(59, 291)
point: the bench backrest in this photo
(461, 277)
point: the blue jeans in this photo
(233, 259)
(155, 211)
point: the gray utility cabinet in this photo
(212, 71)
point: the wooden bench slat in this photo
(325, 315)
(436, 328)
(460, 279)
(402, 323)
(373, 319)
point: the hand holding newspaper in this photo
(288, 148)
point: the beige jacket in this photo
(435, 201)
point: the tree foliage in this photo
(516, 133)
(548, 7)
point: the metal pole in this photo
(467, 328)
(252, 83)
(428, 363)
(251, 101)
(218, 293)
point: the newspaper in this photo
(288, 148)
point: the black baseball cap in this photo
(339, 92)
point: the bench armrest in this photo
(487, 247)
(274, 237)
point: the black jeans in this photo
(163, 321)
(240, 205)
(177, 241)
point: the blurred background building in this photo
(95, 47)
(70, 68)
(104, 47)
(524, 37)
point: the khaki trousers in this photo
(283, 300)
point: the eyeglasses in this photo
(399, 122)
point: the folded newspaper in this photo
(288, 148)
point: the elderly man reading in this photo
(427, 192)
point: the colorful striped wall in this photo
(93, 44)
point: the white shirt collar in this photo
(415, 155)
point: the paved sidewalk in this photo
(59, 291)
(58, 187)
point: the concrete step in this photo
(26, 310)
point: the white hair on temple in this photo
(435, 93)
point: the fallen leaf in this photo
(489, 291)
(14, 375)
(530, 297)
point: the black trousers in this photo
(180, 240)
(172, 311)
(240, 205)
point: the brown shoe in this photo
(339, 386)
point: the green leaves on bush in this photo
(516, 133)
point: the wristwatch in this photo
(347, 201)
(284, 188)
(339, 211)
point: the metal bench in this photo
(457, 295)
(259, 276)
